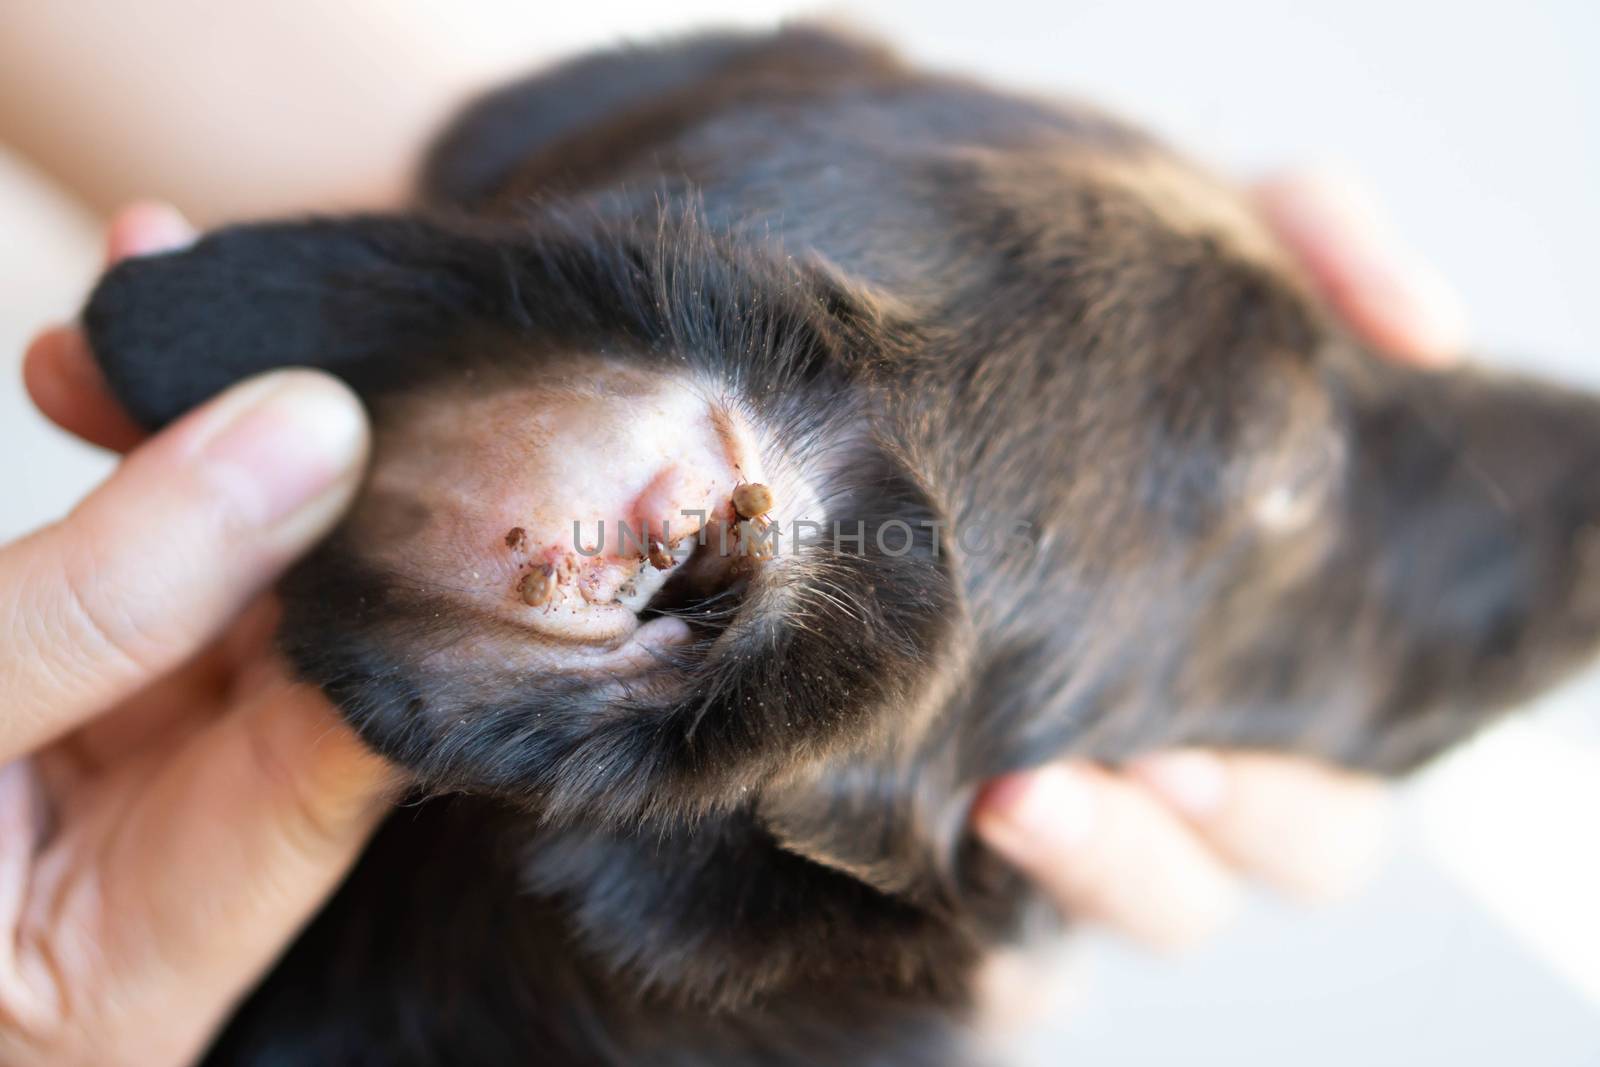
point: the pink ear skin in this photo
(508, 488)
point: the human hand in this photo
(1158, 852)
(172, 807)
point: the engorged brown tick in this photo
(537, 586)
(752, 500)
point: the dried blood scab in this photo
(537, 586)
(659, 558)
(516, 539)
(752, 500)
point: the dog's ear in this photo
(352, 296)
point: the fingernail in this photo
(287, 439)
(1418, 311)
(1403, 305)
(1194, 782)
(1043, 810)
(145, 228)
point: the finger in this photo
(219, 859)
(68, 389)
(249, 638)
(182, 699)
(1313, 831)
(1106, 851)
(163, 714)
(58, 369)
(22, 819)
(156, 560)
(1383, 289)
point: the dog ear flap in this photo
(350, 296)
(881, 824)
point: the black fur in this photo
(945, 305)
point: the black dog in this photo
(1004, 434)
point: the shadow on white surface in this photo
(1413, 973)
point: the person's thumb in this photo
(157, 560)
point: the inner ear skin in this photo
(569, 478)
